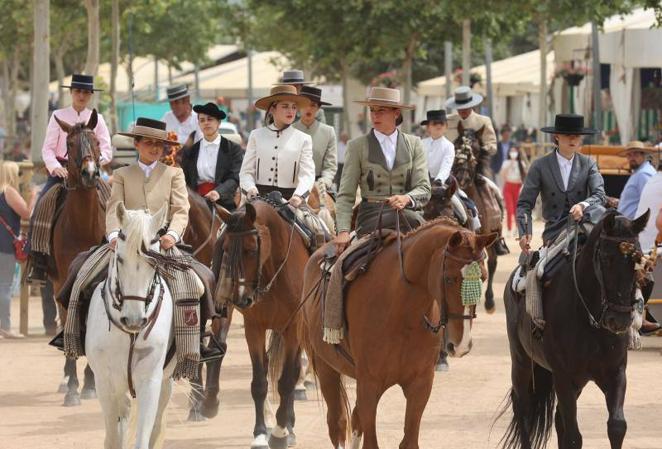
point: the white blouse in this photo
(280, 159)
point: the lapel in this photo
(193, 162)
(574, 172)
(219, 165)
(556, 171)
(401, 151)
(154, 177)
(375, 154)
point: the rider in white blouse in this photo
(440, 151)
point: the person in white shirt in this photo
(513, 172)
(278, 156)
(342, 147)
(181, 118)
(439, 150)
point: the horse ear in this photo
(189, 141)
(120, 211)
(251, 214)
(223, 213)
(159, 219)
(66, 127)
(609, 221)
(640, 223)
(92, 122)
(484, 241)
(455, 240)
(452, 186)
(460, 128)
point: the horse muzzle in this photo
(133, 325)
(244, 302)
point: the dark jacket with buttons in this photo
(544, 179)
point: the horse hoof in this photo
(88, 393)
(64, 385)
(210, 408)
(71, 400)
(278, 443)
(489, 305)
(196, 416)
(300, 395)
(291, 440)
(441, 367)
(260, 442)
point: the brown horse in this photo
(79, 226)
(393, 313)
(263, 258)
(466, 169)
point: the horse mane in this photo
(428, 224)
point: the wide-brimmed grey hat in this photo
(177, 92)
(293, 77)
(463, 98)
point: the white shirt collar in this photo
(215, 142)
(393, 138)
(563, 160)
(147, 169)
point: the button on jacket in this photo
(282, 159)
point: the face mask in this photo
(512, 154)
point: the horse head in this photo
(135, 276)
(457, 287)
(440, 198)
(246, 249)
(614, 252)
(83, 151)
(467, 146)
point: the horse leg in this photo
(300, 388)
(148, 392)
(255, 337)
(62, 388)
(109, 402)
(72, 398)
(567, 395)
(417, 394)
(368, 394)
(357, 430)
(159, 425)
(336, 411)
(210, 402)
(197, 393)
(491, 269)
(281, 437)
(89, 388)
(614, 389)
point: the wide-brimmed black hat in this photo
(83, 82)
(314, 94)
(150, 129)
(210, 109)
(569, 124)
(435, 116)
(177, 92)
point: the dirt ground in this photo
(460, 413)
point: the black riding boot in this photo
(500, 247)
(38, 267)
(215, 350)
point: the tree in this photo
(66, 41)
(114, 62)
(40, 77)
(93, 30)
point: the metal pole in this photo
(156, 79)
(250, 122)
(597, 80)
(448, 67)
(466, 51)
(488, 76)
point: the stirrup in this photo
(214, 344)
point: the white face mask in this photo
(512, 154)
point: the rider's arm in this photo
(51, 141)
(596, 187)
(349, 182)
(488, 138)
(330, 162)
(103, 136)
(179, 205)
(527, 200)
(306, 175)
(227, 188)
(446, 162)
(420, 180)
(247, 173)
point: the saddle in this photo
(360, 255)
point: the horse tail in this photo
(533, 414)
(276, 357)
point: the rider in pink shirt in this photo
(54, 150)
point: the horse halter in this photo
(85, 151)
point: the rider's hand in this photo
(398, 201)
(296, 201)
(251, 193)
(213, 196)
(60, 172)
(525, 243)
(113, 244)
(341, 241)
(167, 241)
(577, 211)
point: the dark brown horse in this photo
(263, 258)
(585, 339)
(466, 169)
(79, 226)
(394, 313)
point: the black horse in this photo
(588, 305)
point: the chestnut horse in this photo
(263, 258)
(79, 226)
(394, 313)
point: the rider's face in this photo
(208, 125)
(464, 113)
(149, 150)
(436, 129)
(80, 98)
(384, 119)
(569, 143)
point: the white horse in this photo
(129, 331)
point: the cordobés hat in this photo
(83, 82)
(384, 96)
(210, 109)
(314, 94)
(636, 145)
(282, 92)
(177, 92)
(435, 116)
(293, 77)
(463, 98)
(150, 129)
(569, 124)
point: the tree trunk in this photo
(114, 61)
(466, 52)
(40, 78)
(58, 60)
(407, 67)
(542, 103)
(344, 73)
(8, 92)
(93, 29)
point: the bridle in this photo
(445, 315)
(629, 247)
(85, 151)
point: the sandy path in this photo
(459, 414)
